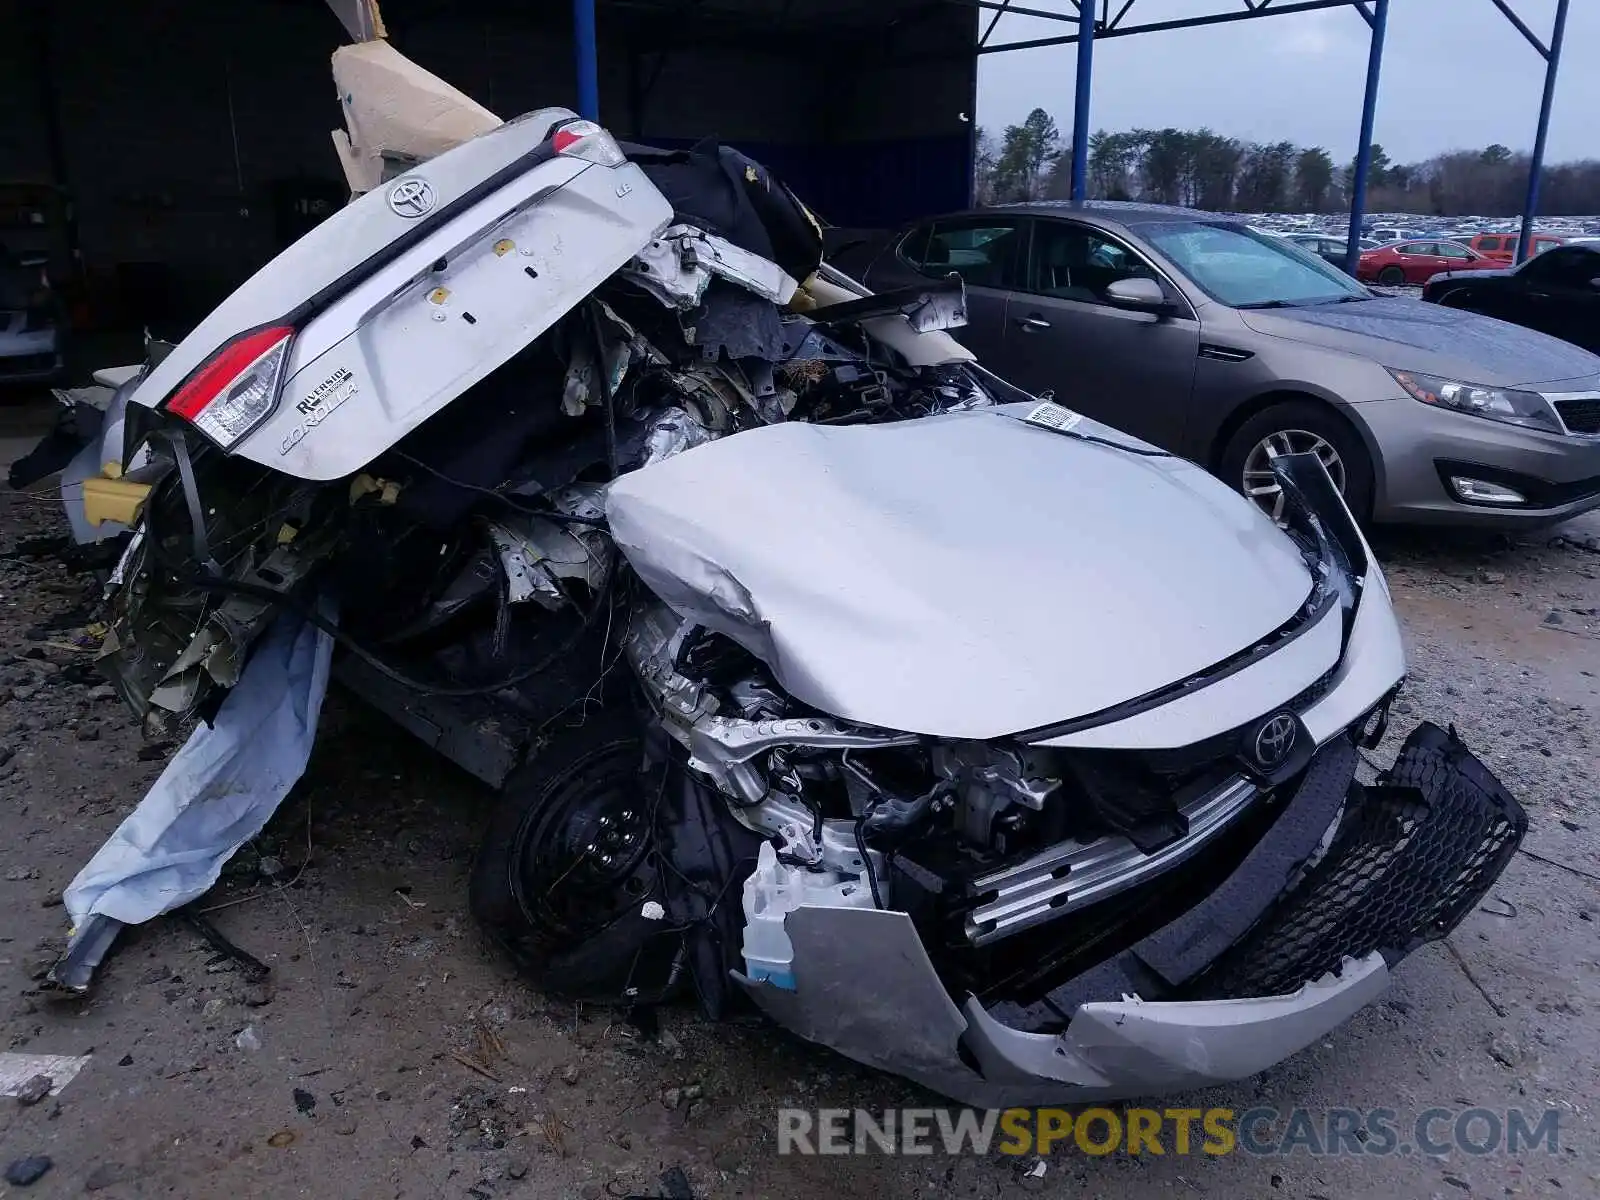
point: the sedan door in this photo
(1559, 294)
(986, 251)
(1458, 258)
(1132, 368)
(1421, 261)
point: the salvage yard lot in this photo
(393, 1055)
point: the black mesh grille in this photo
(1318, 689)
(1410, 859)
(1581, 416)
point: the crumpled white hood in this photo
(964, 576)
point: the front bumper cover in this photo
(1410, 859)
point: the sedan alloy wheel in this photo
(1261, 485)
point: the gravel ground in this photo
(393, 1056)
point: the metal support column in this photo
(1369, 109)
(43, 55)
(1080, 108)
(1552, 64)
(584, 46)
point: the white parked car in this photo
(30, 323)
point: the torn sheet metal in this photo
(16, 1070)
(677, 267)
(219, 790)
(518, 559)
(581, 387)
(672, 431)
(537, 554)
(830, 286)
(926, 307)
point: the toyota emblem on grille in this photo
(1274, 740)
(411, 197)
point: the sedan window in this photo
(1572, 266)
(1243, 269)
(982, 251)
(1074, 262)
(1419, 249)
(1451, 250)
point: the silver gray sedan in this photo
(1231, 348)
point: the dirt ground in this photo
(395, 1056)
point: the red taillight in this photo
(237, 386)
(588, 141)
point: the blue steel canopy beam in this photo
(1080, 106)
(1224, 18)
(1369, 110)
(1552, 64)
(1521, 28)
(586, 50)
(1117, 20)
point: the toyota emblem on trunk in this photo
(411, 197)
(1274, 740)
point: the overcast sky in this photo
(1455, 74)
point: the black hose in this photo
(866, 859)
(559, 518)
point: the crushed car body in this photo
(802, 650)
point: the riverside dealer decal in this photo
(319, 405)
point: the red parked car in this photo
(1418, 261)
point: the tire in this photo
(539, 889)
(1392, 277)
(1457, 298)
(1293, 419)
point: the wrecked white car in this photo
(818, 668)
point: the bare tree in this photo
(1204, 168)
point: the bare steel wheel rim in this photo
(1261, 485)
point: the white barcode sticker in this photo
(1054, 416)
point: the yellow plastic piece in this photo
(387, 490)
(113, 500)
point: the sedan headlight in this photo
(1528, 409)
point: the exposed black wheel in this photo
(1298, 426)
(1392, 277)
(567, 864)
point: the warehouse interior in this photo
(188, 141)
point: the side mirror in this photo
(1140, 293)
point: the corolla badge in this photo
(411, 198)
(1274, 740)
